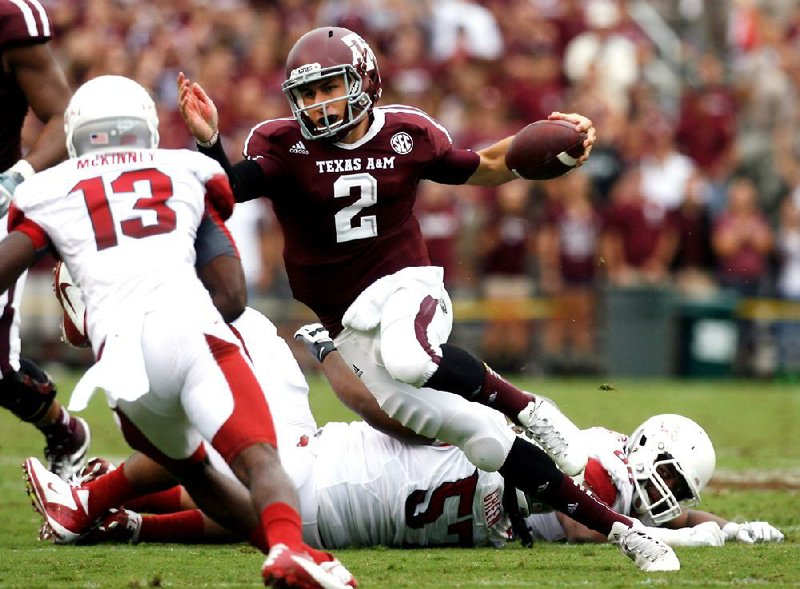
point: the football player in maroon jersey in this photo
(31, 78)
(342, 175)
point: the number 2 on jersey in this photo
(105, 231)
(368, 224)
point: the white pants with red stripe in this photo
(201, 386)
(405, 318)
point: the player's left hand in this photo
(318, 343)
(752, 532)
(582, 125)
(8, 184)
(197, 109)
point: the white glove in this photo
(318, 343)
(752, 532)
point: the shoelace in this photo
(549, 438)
(636, 542)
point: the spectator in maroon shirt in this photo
(686, 242)
(707, 123)
(440, 222)
(742, 240)
(633, 228)
(568, 246)
(505, 250)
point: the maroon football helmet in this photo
(325, 53)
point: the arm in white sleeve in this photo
(705, 534)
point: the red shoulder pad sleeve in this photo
(599, 482)
(220, 195)
(17, 221)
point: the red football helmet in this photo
(325, 53)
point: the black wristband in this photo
(322, 349)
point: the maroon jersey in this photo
(639, 224)
(22, 22)
(578, 240)
(347, 209)
(511, 237)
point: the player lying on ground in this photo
(172, 370)
(395, 494)
(342, 175)
(323, 479)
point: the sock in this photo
(532, 471)
(181, 527)
(281, 524)
(461, 373)
(501, 395)
(575, 502)
(59, 428)
(167, 501)
(110, 490)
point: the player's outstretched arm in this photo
(492, 169)
(349, 388)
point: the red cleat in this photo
(288, 568)
(64, 507)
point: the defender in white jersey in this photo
(123, 216)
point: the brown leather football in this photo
(545, 149)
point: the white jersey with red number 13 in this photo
(125, 223)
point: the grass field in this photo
(755, 427)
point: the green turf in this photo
(755, 427)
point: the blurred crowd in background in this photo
(693, 187)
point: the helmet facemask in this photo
(674, 489)
(672, 457)
(358, 102)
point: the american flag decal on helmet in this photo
(98, 138)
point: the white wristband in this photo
(210, 143)
(23, 168)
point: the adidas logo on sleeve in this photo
(298, 147)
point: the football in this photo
(545, 149)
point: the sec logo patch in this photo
(402, 143)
